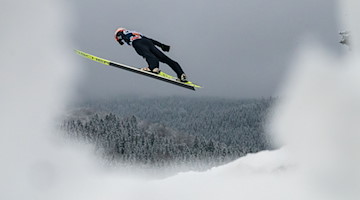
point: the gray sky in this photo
(234, 48)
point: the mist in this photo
(318, 112)
(36, 80)
(316, 120)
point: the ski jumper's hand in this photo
(165, 47)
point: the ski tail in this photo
(94, 58)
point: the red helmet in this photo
(118, 31)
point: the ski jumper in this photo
(145, 47)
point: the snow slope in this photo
(255, 176)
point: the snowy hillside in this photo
(256, 176)
(176, 133)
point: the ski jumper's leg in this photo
(142, 47)
(163, 58)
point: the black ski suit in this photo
(146, 48)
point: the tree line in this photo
(161, 132)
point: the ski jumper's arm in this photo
(164, 47)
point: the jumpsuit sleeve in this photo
(155, 42)
(164, 47)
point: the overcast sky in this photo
(233, 48)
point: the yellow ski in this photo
(161, 76)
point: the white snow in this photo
(317, 120)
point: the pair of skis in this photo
(161, 76)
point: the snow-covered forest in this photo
(168, 131)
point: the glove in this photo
(165, 47)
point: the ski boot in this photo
(155, 70)
(182, 78)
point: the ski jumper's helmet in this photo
(117, 32)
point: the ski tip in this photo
(193, 85)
